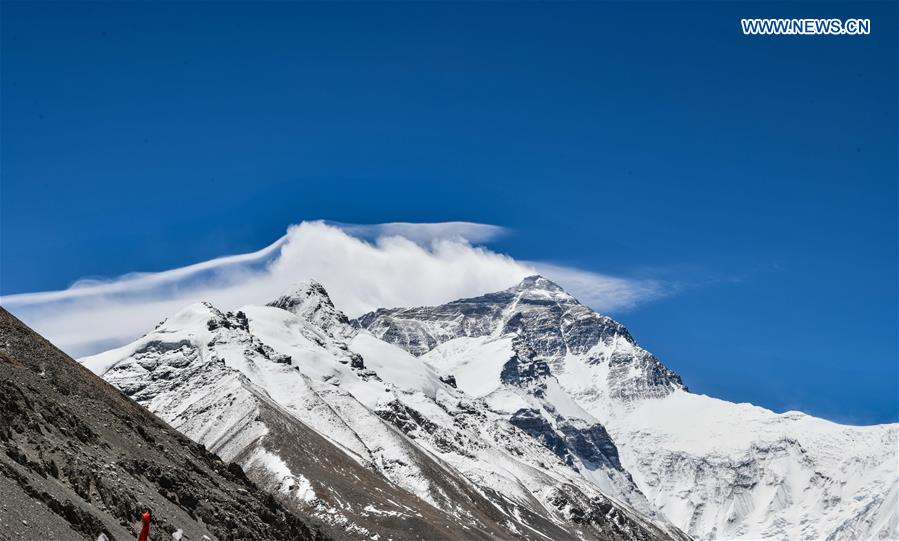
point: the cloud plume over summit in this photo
(362, 266)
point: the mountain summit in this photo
(310, 301)
(548, 324)
(538, 285)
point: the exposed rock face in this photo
(536, 426)
(80, 459)
(519, 372)
(592, 444)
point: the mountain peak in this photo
(539, 286)
(537, 281)
(305, 287)
(300, 294)
(309, 300)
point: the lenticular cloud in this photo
(363, 267)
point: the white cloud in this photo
(362, 267)
(601, 292)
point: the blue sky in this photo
(756, 177)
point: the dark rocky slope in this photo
(77, 459)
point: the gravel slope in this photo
(77, 458)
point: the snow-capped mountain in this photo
(372, 441)
(516, 414)
(714, 468)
